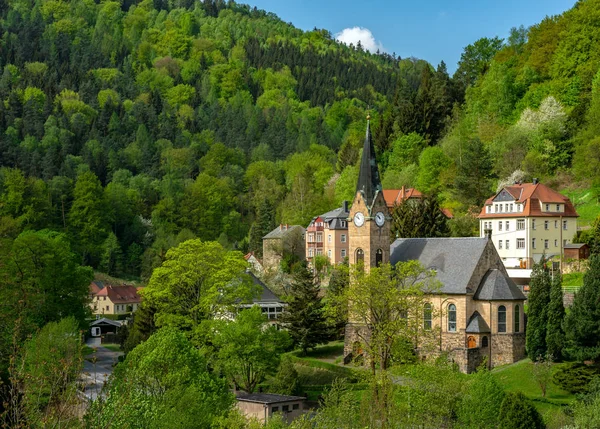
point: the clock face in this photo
(359, 219)
(379, 219)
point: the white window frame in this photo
(520, 224)
(520, 243)
(343, 238)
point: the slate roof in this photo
(283, 230)
(267, 398)
(497, 286)
(532, 196)
(266, 295)
(454, 259)
(334, 217)
(369, 182)
(477, 325)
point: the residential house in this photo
(283, 242)
(262, 406)
(526, 221)
(327, 235)
(271, 305)
(255, 264)
(395, 197)
(478, 311)
(109, 299)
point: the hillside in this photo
(132, 126)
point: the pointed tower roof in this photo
(369, 182)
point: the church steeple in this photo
(369, 182)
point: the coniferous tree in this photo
(304, 316)
(582, 324)
(419, 218)
(537, 316)
(555, 334)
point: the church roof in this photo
(369, 182)
(497, 286)
(453, 259)
(477, 325)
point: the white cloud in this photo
(354, 34)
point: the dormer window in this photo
(558, 207)
(547, 207)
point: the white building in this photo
(526, 221)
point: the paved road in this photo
(97, 367)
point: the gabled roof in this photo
(334, 218)
(267, 398)
(266, 295)
(532, 196)
(369, 182)
(283, 230)
(105, 321)
(454, 259)
(121, 294)
(477, 325)
(497, 286)
(397, 196)
(95, 287)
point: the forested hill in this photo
(131, 126)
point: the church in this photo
(478, 310)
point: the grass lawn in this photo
(112, 347)
(586, 205)
(87, 350)
(328, 352)
(572, 280)
(519, 377)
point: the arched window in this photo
(517, 316)
(360, 256)
(378, 257)
(484, 342)
(427, 316)
(452, 318)
(502, 319)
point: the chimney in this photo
(345, 205)
(488, 233)
(535, 181)
(286, 226)
(280, 227)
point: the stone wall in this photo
(507, 348)
(351, 338)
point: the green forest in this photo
(132, 126)
(140, 137)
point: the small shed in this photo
(105, 326)
(262, 406)
(576, 251)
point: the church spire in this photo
(368, 178)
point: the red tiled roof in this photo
(121, 294)
(95, 288)
(447, 213)
(532, 196)
(396, 196)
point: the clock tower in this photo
(368, 235)
(369, 221)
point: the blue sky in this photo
(433, 30)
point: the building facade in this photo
(478, 311)
(109, 299)
(526, 221)
(284, 241)
(327, 235)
